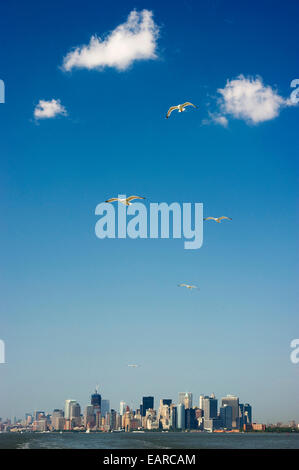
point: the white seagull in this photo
(179, 107)
(218, 219)
(126, 201)
(188, 286)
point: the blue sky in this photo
(75, 310)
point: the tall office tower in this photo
(113, 420)
(186, 399)
(105, 407)
(37, 415)
(210, 407)
(241, 416)
(190, 419)
(173, 416)
(122, 408)
(89, 417)
(201, 398)
(75, 414)
(165, 401)
(181, 416)
(248, 413)
(233, 401)
(226, 415)
(96, 400)
(147, 403)
(57, 420)
(67, 408)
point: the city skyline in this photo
(77, 309)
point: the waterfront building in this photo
(181, 416)
(232, 401)
(68, 404)
(147, 402)
(105, 407)
(226, 415)
(75, 414)
(96, 400)
(247, 414)
(122, 408)
(186, 399)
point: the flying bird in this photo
(179, 107)
(188, 286)
(126, 201)
(217, 219)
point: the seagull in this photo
(217, 219)
(179, 107)
(188, 286)
(133, 365)
(126, 201)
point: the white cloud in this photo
(219, 119)
(135, 39)
(251, 100)
(49, 109)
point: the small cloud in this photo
(136, 39)
(217, 119)
(251, 100)
(49, 109)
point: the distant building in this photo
(147, 402)
(89, 417)
(186, 399)
(190, 419)
(258, 427)
(57, 420)
(105, 407)
(75, 414)
(226, 415)
(96, 400)
(210, 406)
(181, 416)
(201, 398)
(248, 414)
(232, 401)
(67, 408)
(122, 408)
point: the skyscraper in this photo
(226, 415)
(181, 416)
(67, 408)
(247, 413)
(147, 403)
(105, 407)
(122, 408)
(201, 401)
(75, 414)
(186, 399)
(210, 406)
(96, 400)
(233, 401)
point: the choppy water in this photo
(148, 441)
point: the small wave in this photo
(25, 445)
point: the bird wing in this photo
(188, 104)
(172, 108)
(182, 285)
(112, 199)
(134, 197)
(209, 218)
(224, 217)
